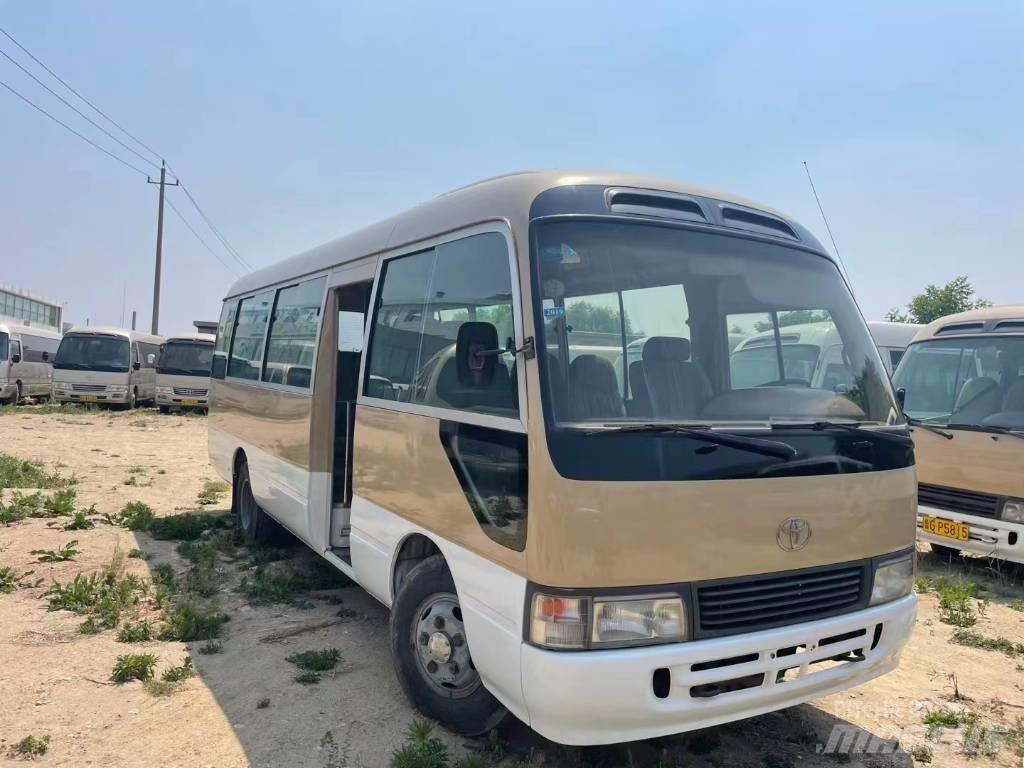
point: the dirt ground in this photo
(245, 708)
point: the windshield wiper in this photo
(855, 427)
(705, 433)
(993, 428)
(928, 427)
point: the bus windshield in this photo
(186, 358)
(85, 352)
(638, 321)
(975, 381)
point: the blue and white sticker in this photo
(554, 311)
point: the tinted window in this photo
(425, 300)
(4, 344)
(223, 344)
(185, 358)
(146, 349)
(247, 344)
(93, 353)
(293, 328)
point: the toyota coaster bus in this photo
(183, 372)
(26, 362)
(963, 379)
(608, 556)
(109, 366)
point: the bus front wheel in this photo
(431, 653)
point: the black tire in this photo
(452, 693)
(18, 397)
(946, 553)
(256, 525)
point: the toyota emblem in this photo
(793, 533)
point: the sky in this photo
(294, 123)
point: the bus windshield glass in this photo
(975, 381)
(85, 352)
(645, 323)
(186, 358)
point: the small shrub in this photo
(25, 505)
(19, 473)
(211, 492)
(137, 554)
(187, 622)
(185, 527)
(60, 555)
(211, 647)
(922, 753)
(139, 632)
(130, 480)
(80, 520)
(135, 516)
(944, 717)
(182, 672)
(922, 585)
(31, 747)
(316, 661)
(972, 639)
(1018, 604)
(956, 606)
(89, 626)
(979, 740)
(163, 574)
(10, 515)
(8, 580)
(133, 666)
(1015, 737)
(60, 503)
(421, 748)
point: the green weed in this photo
(972, 639)
(421, 748)
(80, 520)
(20, 473)
(958, 603)
(137, 554)
(135, 516)
(1018, 604)
(316, 661)
(211, 492)
(103, 595)
(59, 555)
(921, 753)
(133, 666)
(139, 632)
(163, 574)
(186, 527)
(187, 621)
(979, 740)
(1015, 737)
(211, 647)
(31, 747)
(8, 580)
(182, 672)
(60, 503)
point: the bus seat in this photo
(593, 390)
(978, 398)
(298, 376)
(1013, 400)
(678, 387)
(640, 399)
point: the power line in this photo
(77, 111)
(230, 248)
(66, 85)
(68, 127)
(204, 243)
(824, 218)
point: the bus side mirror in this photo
(476, 352)
(136, 365)
(15, 358)
(901, 396)
(46, 356)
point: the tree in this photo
(584, 316)
(938, 301)
(795, 317)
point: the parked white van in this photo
(114, 366)
(183, 371)
(26, 361)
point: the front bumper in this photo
(8, 390)
(990, 536)
(180, 401)
(604, 697)
(70, 396)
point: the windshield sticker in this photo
(564, 254)
(554, 311)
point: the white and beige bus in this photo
(108, 366)
(962, 380)
(608, 556)
(183, 372)
(26, 361)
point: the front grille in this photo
(752, 603)
(189, 392)
(958, 500)
(89, 387)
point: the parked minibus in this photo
(892, 340)
(109, 366)
(26, 361)
(962, 380)
(183, 372)
(608, 555)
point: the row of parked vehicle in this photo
(106, 366)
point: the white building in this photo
(25, 309)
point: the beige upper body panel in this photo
(1000, 312)
(271, 419)
(974, 461)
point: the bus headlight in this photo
(61, 386)
(653, 620)
(893, 579)
(565, 623)
(1013, 510)
(164, 391)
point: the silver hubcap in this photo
(439, 637)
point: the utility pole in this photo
(159, 244)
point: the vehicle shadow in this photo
(357, 714)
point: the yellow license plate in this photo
(189, 402)
(948, 529)
(89, 398)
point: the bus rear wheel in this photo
(257, 527)
(432, 656)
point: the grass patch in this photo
(972, 639)
(979, 740)
(1015, 737)
(139, 632)
(80, 521)
(59, 555)
(186, 527)
(135, 516)
(944, 717)
(282, 583)
(163, 574)
(188, 621)
(137, 554)
(8, 580)
(211, 492)
(31, 747)
(22, 505)
(1018, 604)
(421, 749)
(316, 661)
(47, 409)
(211, 647)
(921, 753)
(182, 672)
(959, 605)
(133, 666)
(102, 595)
(61, 503)
(20, 473)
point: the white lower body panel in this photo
(604, 697)
(990, 537)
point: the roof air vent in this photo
(659, 204)
(756, 221)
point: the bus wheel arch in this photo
(414, 549)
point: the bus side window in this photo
(225, 328)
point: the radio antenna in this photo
(824, 218)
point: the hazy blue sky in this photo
(293, 123)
